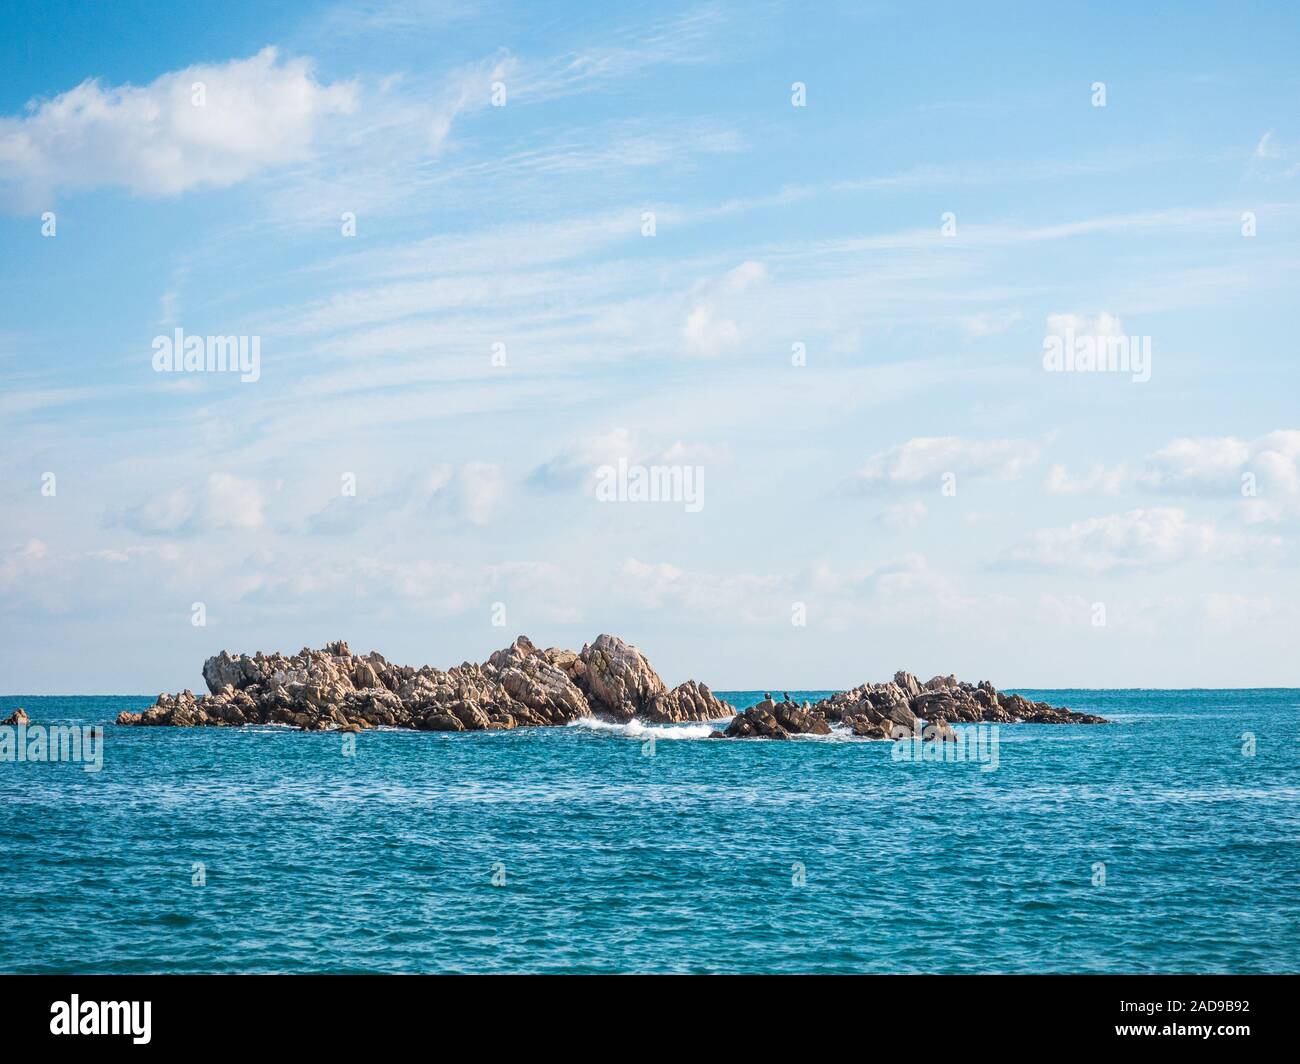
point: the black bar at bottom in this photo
(340, 1012)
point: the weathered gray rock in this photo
(225, 671)
(776, 720)
(940, 731)
(901, 708)
(523, 686)
(689, 701)
(617, 679)
(906, 682)
(518, 686)
(528, 676)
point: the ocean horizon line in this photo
(739, 690)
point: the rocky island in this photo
(903, 707)
(524, 686)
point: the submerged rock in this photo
(518, 686)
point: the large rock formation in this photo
(522, 686)
(519, 686)
(620, 684)
(903, 707)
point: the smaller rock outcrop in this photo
(901, 708)
(775, 720)
(17, 717)
(688, 702)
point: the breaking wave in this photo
(635, 729)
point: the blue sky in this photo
(827, 485)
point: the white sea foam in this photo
(839, 734)
(635, 729)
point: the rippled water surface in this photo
(683, 854)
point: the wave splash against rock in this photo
(522, 686)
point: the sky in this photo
(500, 263)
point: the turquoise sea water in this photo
(817, 855)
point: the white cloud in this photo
(1271, 160)
(38, 578)
(1231, 611)
(896, 582)
(704, 334)
(675, 39)
(1220, 467)
(709, 329)
(991, 324)
(1099, 479)
(385, 16)
(576, 464)
(232, 503)
(1135, 540)
(720, 597)
(19, 562)
(257, 113)
(1226, 467)
(224, 502)
(1103, 326)
(904, 515)
(1197, 466)
(906, 588)
(608, 148)
(470, 494)
(926, 459)
(904, 591)
(574, 467)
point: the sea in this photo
(1165, 841)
